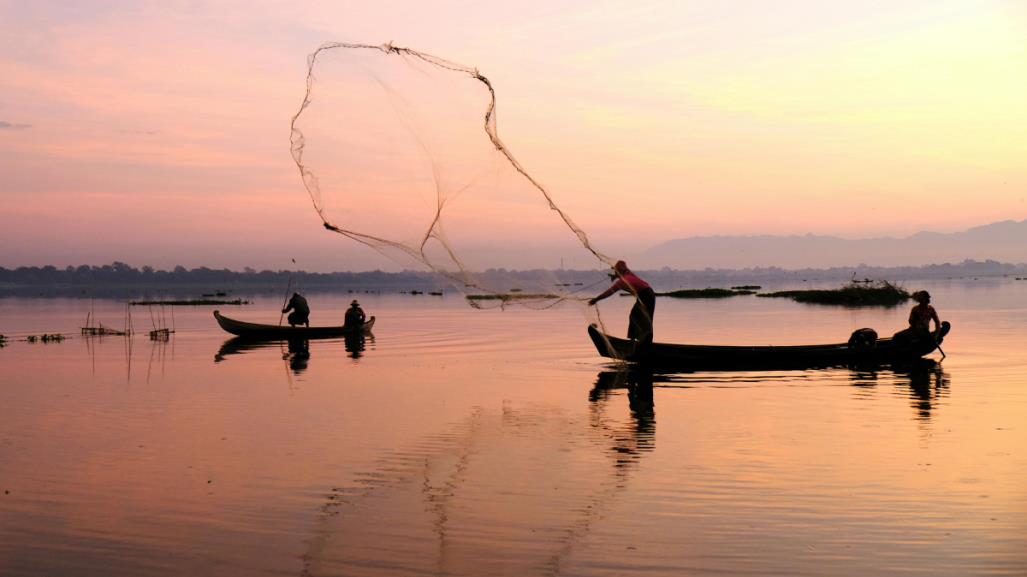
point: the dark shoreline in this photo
(120, 281)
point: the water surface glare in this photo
(465, 442)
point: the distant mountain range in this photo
(1004, 241)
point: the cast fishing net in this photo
(400, 151)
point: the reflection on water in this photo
(295, 352)
(355, 344)
(926, 380)
(641, 435)
(455, 503)
(457, 448)
(161, 351)
(298, 355)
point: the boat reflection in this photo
(927, 383)
(924, 381)
(355, 344)
(638, 383)
(298, 355)
(296, 352)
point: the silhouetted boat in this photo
(259, 331)
(883, 351)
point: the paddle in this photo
(940, 332)
(288, 289)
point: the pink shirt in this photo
(631, 283)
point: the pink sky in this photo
(157, 133)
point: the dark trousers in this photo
(296, 318)
(640, 321)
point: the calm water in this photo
(467, 442)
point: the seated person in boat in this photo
(354, 315)
(640, 325)
(920, 318)
(300, 314)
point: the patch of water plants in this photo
(45, 338)
(707, 293)
(854, 294)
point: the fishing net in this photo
(400, 151)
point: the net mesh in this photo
(399, 150)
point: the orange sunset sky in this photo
(158, 132)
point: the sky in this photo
(157, 133)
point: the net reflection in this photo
(513, 490)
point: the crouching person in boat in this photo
(355, 316)
(300, 314)
(640, 325)
(920, 318)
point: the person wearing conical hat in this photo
(355, 315)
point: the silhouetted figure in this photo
(299, 355)
(640, 321)
(300, 314)
(920, 318)
(355, 316)
(923, 313)
(354, 344)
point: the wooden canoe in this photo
(259, 331)
(884, 351)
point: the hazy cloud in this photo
(4, 125)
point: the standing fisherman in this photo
(640, 321)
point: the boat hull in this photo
(885, 351)
(268, 332)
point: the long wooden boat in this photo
(883, 351)
(259, 331)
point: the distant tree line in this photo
(120, 277)
(965, 269)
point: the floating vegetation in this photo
(191, 302)
(706, 293)
(102, 331)
(45, 338)
(855, 294)
(3, 341)
(747, 287)
(436, 293)
(163, 334)
(506, 297)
